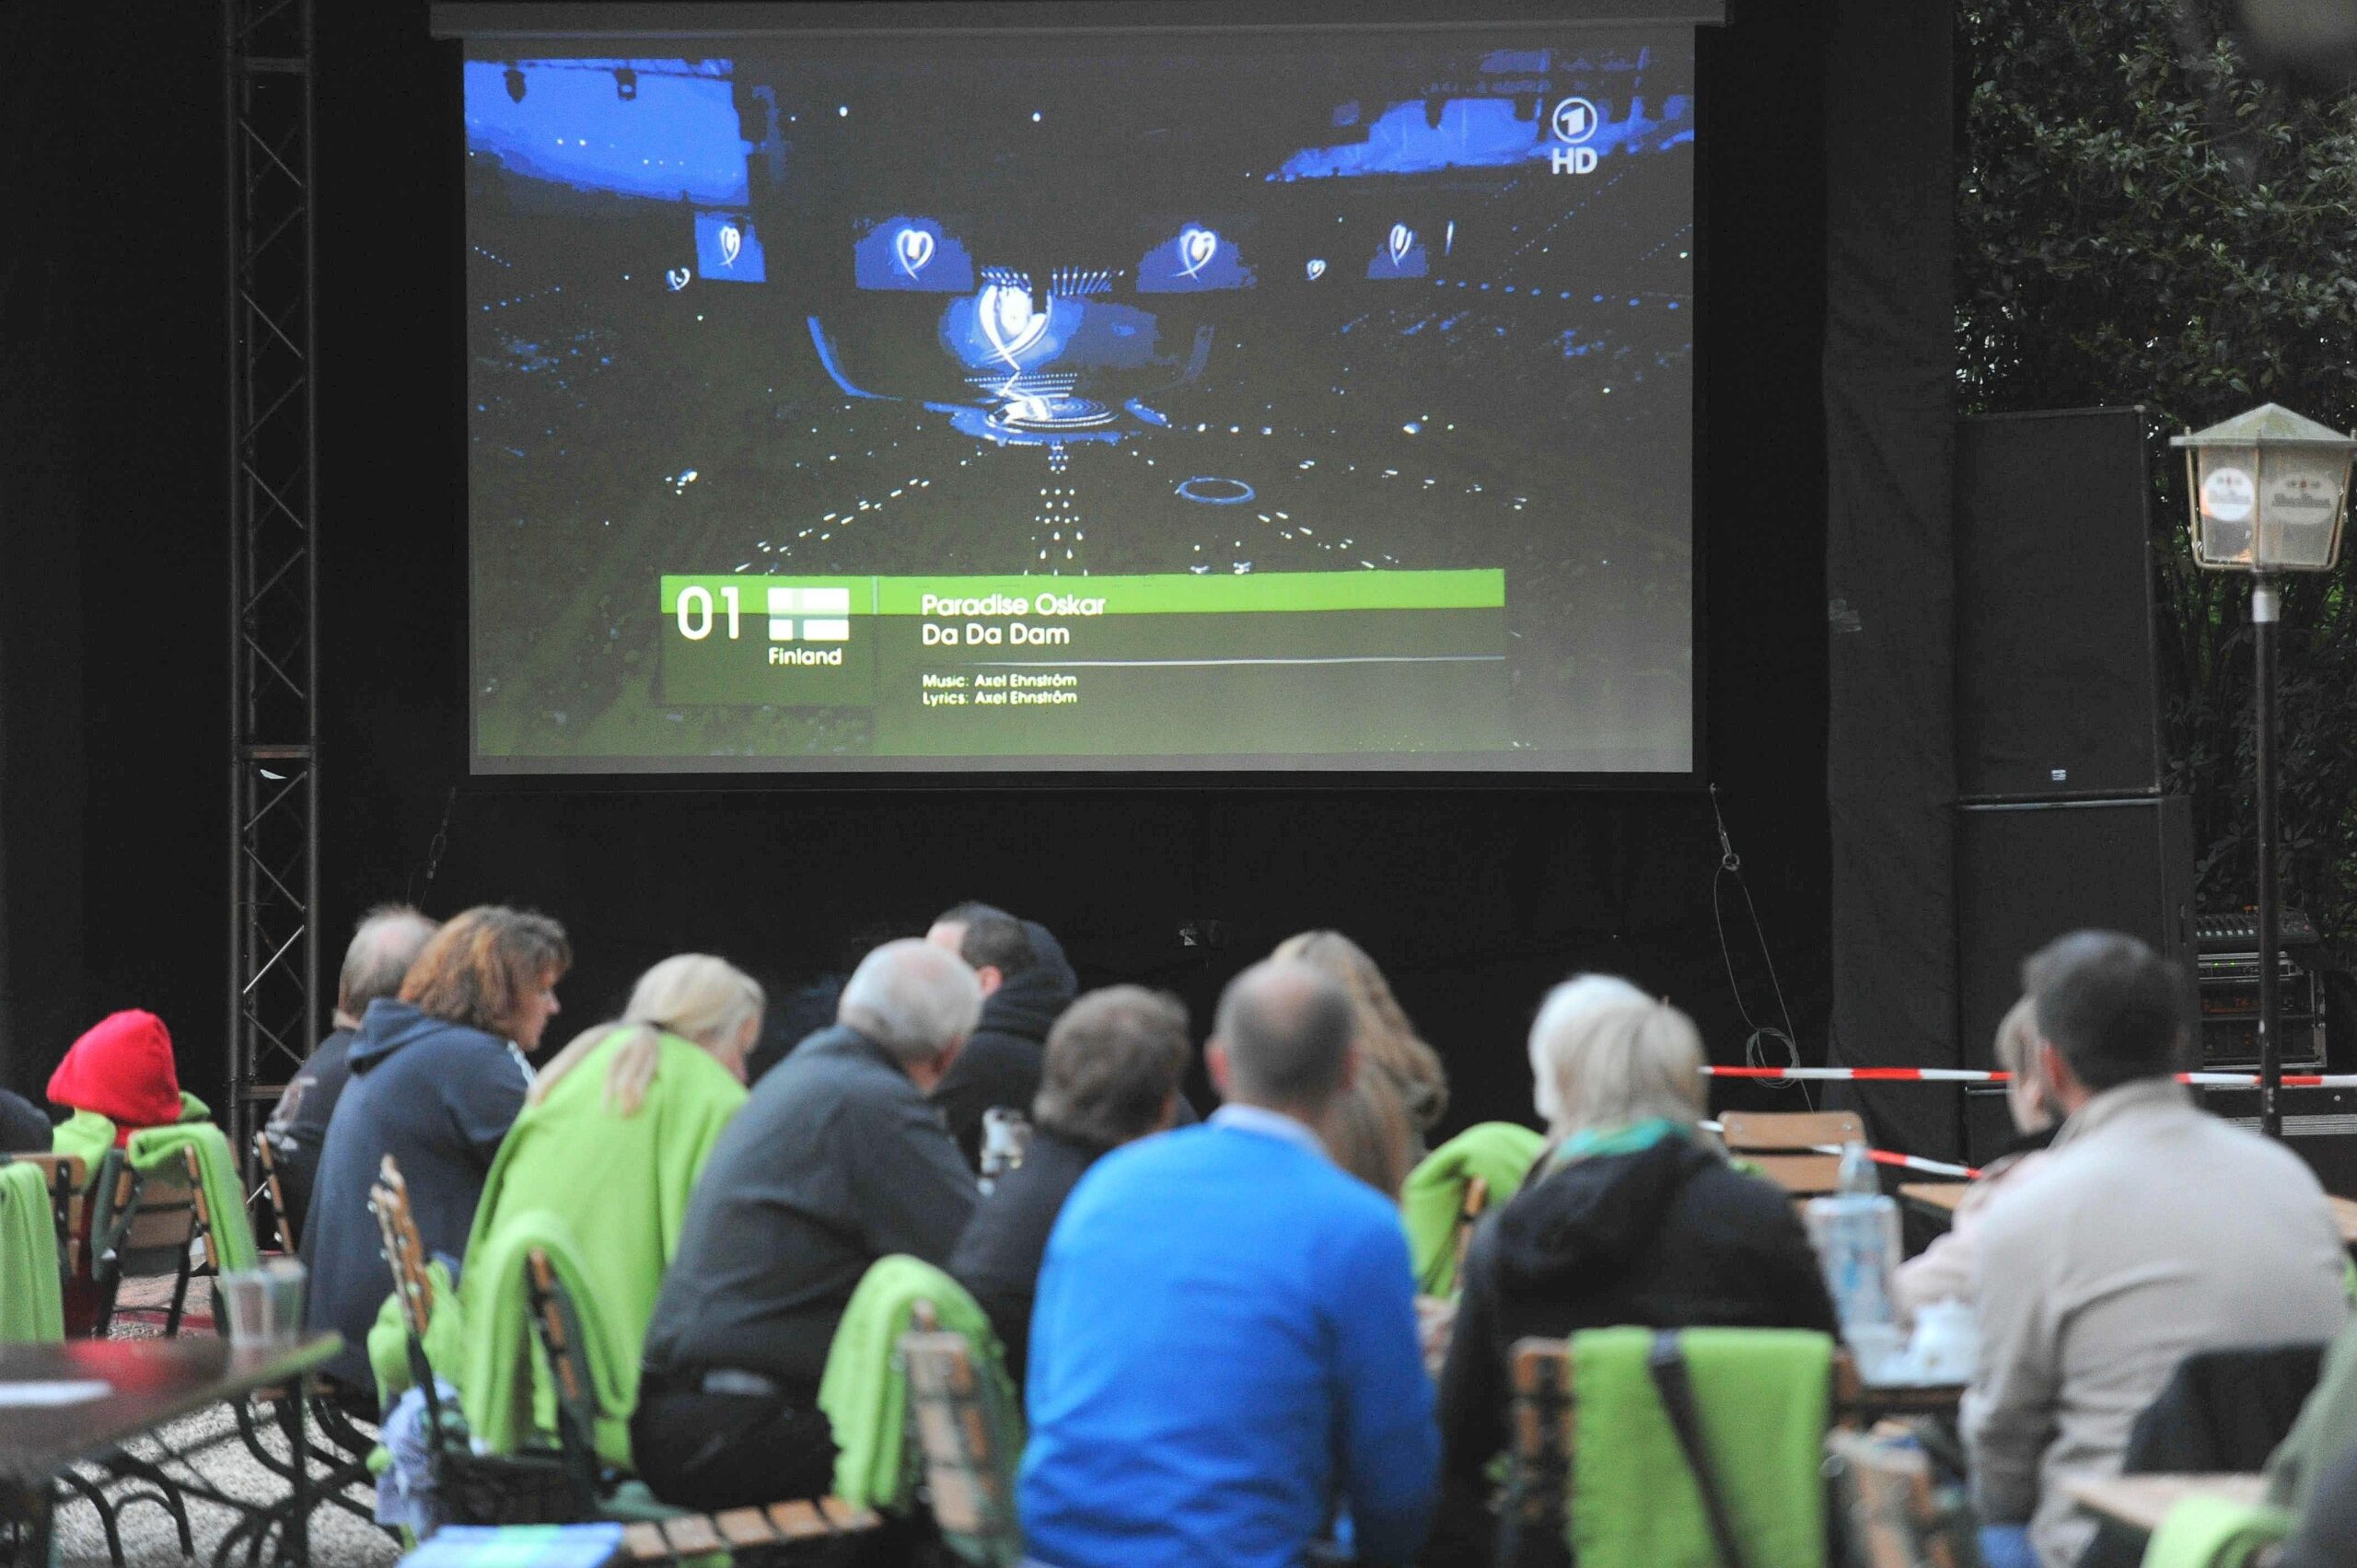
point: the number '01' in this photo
(695, 613)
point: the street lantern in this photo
(2269, 491)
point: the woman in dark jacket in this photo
(1632, 1216)
(437, 1077)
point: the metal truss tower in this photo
(275, 1005)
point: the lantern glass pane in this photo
(2226, 498)
(2300, 500)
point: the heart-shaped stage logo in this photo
(1196, 248)
(1316, 270)
(1403, 239)
(915, 247)
(731, 243)
(678, 278)
(1009, 321)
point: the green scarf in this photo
(612, 1192)
(30, 1309)
(865, 1392)
(1500, 1153)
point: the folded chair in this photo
(1640, 1448)
(968, 1443)
(655, 1533)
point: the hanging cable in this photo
(1756, 1045)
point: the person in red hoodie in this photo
(121, 1069)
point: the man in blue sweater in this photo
(1223, 1352)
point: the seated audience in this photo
(121, 1069)
(1377, 1132)
(1224, 1341)
(836, 1160)
(614, 1133)
(388, 941)
(1111, 1076)
(1026, 984)
(23, 1129)
(438, 1074)
(1944, 1270)
(2138, 1241)
(1633, 1216)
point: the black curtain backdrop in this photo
(1473, 901)
(1890, 409)
(112, 547)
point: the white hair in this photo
(1621, 1063)
(1563, 1061)
(911, 998)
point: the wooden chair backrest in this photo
(968, 1454)
(1469, 1215)
(64, 1175)
(1784, 1145)
(556, 1326)
(152, 1219)
(404, 1252)
(273, 1195)
(1538, 1465)
(1896, 1517)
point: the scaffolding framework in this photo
(275, 1005)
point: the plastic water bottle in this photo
(1856, 1235)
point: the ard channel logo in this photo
(1575, 122)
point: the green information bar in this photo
(1165, 594)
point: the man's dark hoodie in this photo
(1001, 1063)
(1667, 1237)
(438, 1097)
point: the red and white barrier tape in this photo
(1969, 1075)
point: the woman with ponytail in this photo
(596, 1171)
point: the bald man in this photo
(1224, 1338)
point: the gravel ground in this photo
(338, 1538)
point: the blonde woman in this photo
(1377, 1132)
(614, 1133)
(1631, 1217)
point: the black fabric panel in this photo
(1889, 573)
(42, 501)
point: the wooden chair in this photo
(967, 1444)
(1897, 1516)
(1540, 1450)
(470, 1488)
(147, 1226)
(64, 1175)
(785, 1530)
(1786, 1145)
(273, 1197)
(1469, 1215)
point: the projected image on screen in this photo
(1054, 403)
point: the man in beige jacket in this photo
(2149, 1231)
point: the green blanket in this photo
(1500, 1153)
(389, 1337)
(2212, 1532)
(90, 1136)
(865, 1392)
(502, 1382)
(30, 1309)
(1763, 1397)
(159, 1148)
(613, 1192)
